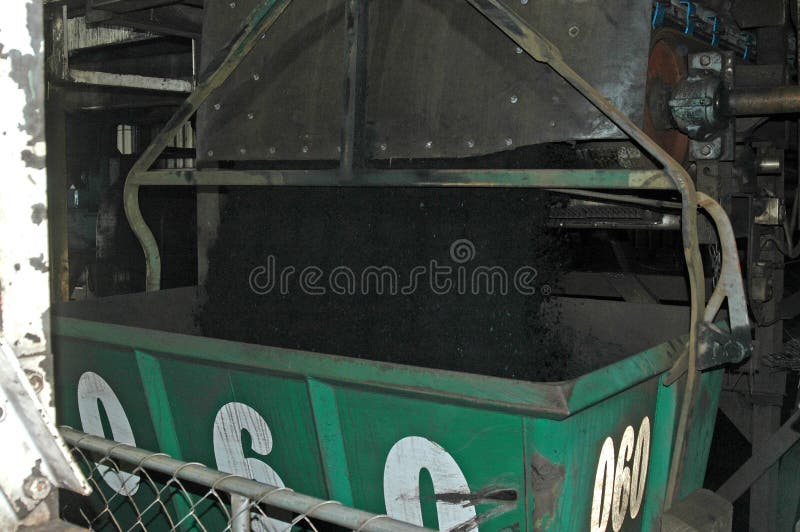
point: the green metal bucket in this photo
(442, 449)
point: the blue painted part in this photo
(714, 30)
(659, 13)
(690, 14)
(748, 43)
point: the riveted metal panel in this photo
(442, 81)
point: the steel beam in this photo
(355, 86)
(130, 81)
(764, 457)
(600, 179)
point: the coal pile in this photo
(390, 275)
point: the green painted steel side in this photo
(442, 448)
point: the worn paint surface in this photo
(24, 282)
(441, 448)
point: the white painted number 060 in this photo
(619, 487)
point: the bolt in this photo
(574, 31)
(523, 2)
(519, 50)
(706, 150)
(513, 98)
(37, 381)
(36, 487)
(705, 60)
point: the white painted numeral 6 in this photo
(620, 487)
(406, 459)
(231, 420)
(91, 389)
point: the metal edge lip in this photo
(556, 400)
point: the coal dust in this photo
(452, 279)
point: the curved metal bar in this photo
(263, 16)
(730, 284)
(542, 50)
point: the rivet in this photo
(552, 123)
(305, 149)
(509, 142)
(242, 150)
(272, 150)
(383, 147)
(217, 107)
(256, 77)
(470, 143)
(250, 116)
(232, 5)
(429, 145)
(518, 50)
(338, 149)
(574, 31)
(210, 153)
(513, 98)
(705, 60)
(37, 381)
(37, 487)
(523, 2)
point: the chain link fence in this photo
(134, 489)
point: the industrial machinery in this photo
(658, 141)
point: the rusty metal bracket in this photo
(718, 347)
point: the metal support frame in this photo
(534, 44)
(61, 71)
(763, 458)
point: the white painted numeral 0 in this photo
(401, 489)
(231, 420)
(619, 487)
(91, 389)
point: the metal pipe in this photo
(281, 498)
(261, 18)
(762, 102)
